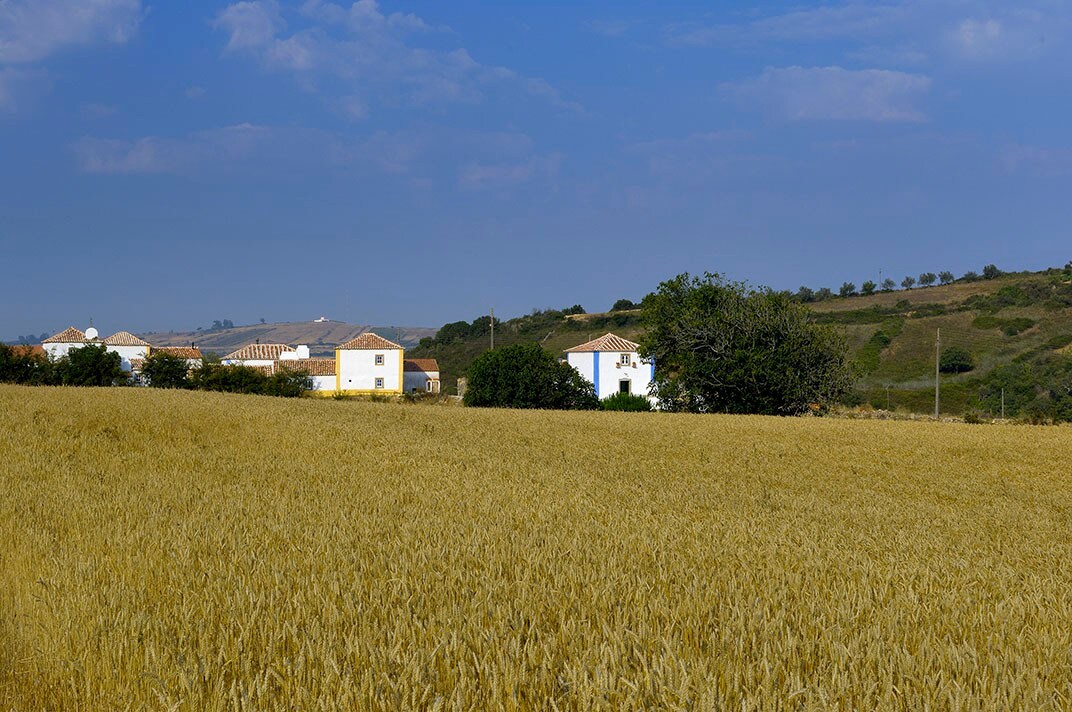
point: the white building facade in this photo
(369, 365)
(261, 355)
(613, 365)
(130, 348)
(321, 372)
(420, 375)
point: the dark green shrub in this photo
(629, 402)
(955, 359)
(526, 376)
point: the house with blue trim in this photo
(613, 365)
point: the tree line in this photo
(808, 295)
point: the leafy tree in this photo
(262, 320)
(164, 370)
(908, 282)
(945, 276)
(724, 347)
(525, 376)
(288, 383)
(991, 271)
(888, 285)
(454, 331)
(481, 325)
(847, 289)
(90, 366)
(868, 287)
(955, 360)
(575, 309)
(228, 379)
(20, 364)
(630, 402)
(805, 295)
(927, 279)
(970, 276)
(623, 305)
(823, 293)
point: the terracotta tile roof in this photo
(258, 352)
(427, 365)
(188, 352)
(69, 335)
(124, 338)
(26, 350)
(312, 366)
(136, 364)
(368, 340)
(607, 342)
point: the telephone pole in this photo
(493, 328)
(937, 368)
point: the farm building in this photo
(420, 375)
(321, 372)
(260, 355)
(129, 347)
(369, 364)
(613, 365)
(192, 355)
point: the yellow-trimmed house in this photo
(369, 365)
(420, 375)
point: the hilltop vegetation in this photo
(198, 551)
(1015, 328)
(321, 337)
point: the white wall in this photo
(128, 352)
(611, 374)
(56, 351)
(322, 383)
(358, 370)
(247, 362)
(418, 380)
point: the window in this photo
(379, 383)
(379, 359)
(428, 385)
(624, 385)
(626, 359)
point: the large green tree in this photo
(526, 376)
(90, 366)
(164, 370)
(723, 347)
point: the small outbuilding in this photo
(613, 365)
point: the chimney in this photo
(303, 351)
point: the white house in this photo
(192, 354)
(613, 365)
(57, 345)
(129, 347)
(369, 364)
(321, 372)
(260, 355)
(420, 375)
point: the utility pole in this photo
(937, 368)
(887, 397)
(493, 328)
(1003, 404)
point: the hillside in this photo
(891, 335)
(321, 337)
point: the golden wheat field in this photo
(191, 551)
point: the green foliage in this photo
(927, 279)
(89, 366)
(624, 305)
(452, 332)
(847, 289)
(1009, 327)
(1038, 390)
(868, 357)
(526, 376)
(575, 309)
(287, 383)
(723, 347)
(823, 294)
(888, 285)
(970, 276)
(908, 282)
(945, 276)
(991, 272)
(249, 380)
(629, 402)
(20, 364)
(868, 288)
(955, 359)
(164, 370)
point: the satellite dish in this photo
(91, 333)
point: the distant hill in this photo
(321, 337)
(891, 335)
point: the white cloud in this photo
(485, 176)
(806, 93)
(31, 30)
(154, 154)
(1018, 35)
(374, 54)
(812, 24)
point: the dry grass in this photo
(189, 551)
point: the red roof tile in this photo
(258, 352)
(312, 366)
(369, 340)
(187, 352)
(124, 338)
(69, 335)
(427, 365)
(607, 342)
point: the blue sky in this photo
(166, 164)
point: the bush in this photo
(623, 305)
(526, 376)
(991, 271)
(927, 279)
(847, 289)
(868, 287)
(945, 276)
(20, 364)
(629, 402)
(90, 366)
(164, 370)
(955, 360)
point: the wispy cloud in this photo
(372, 53)
(490, 176)
(834, 93)
(31, 30)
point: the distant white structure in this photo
(369, 364)
(321, 320)
(420, 375)
(130, 348)
(260, 355)
(613, 365)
